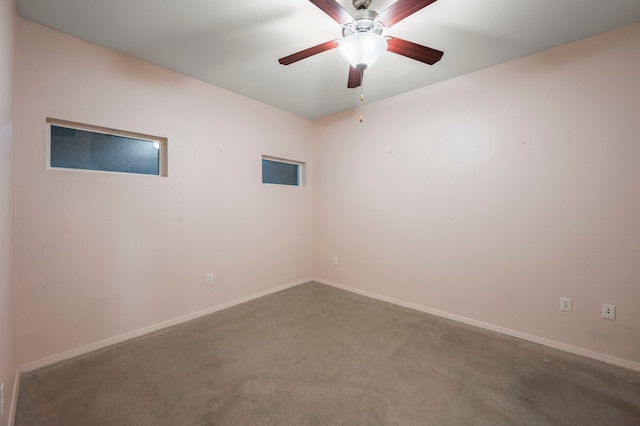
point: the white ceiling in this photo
(235, 44)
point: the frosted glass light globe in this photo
(363, 49)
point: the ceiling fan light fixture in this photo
(362, 49)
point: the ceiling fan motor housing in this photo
(364, 21)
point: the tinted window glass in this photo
(82, 149)
(280, 173)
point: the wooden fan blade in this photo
(287, 60)
(334, 10)
(400, 10)
(355, 78)
(414, 51)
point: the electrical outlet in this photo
(565, 304)
(209, 278)
(336, 261)
(608, 312)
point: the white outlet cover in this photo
(608, 312)
(565, 304)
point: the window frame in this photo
(162, 145)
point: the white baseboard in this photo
(514, 333)
(34, 365)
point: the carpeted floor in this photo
(316, 355)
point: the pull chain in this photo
(361, 84)
(361, 94)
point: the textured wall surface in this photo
(8, 361)
(492, 195)
(485, 197)
(100, 254)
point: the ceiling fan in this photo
(363, 42)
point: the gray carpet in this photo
(315, 355)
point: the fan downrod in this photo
(361, 4)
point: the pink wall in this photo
(8, 362)
(485, 198)
(99, 255)
(490, 196)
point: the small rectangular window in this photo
(281, 172)
(86, 147)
